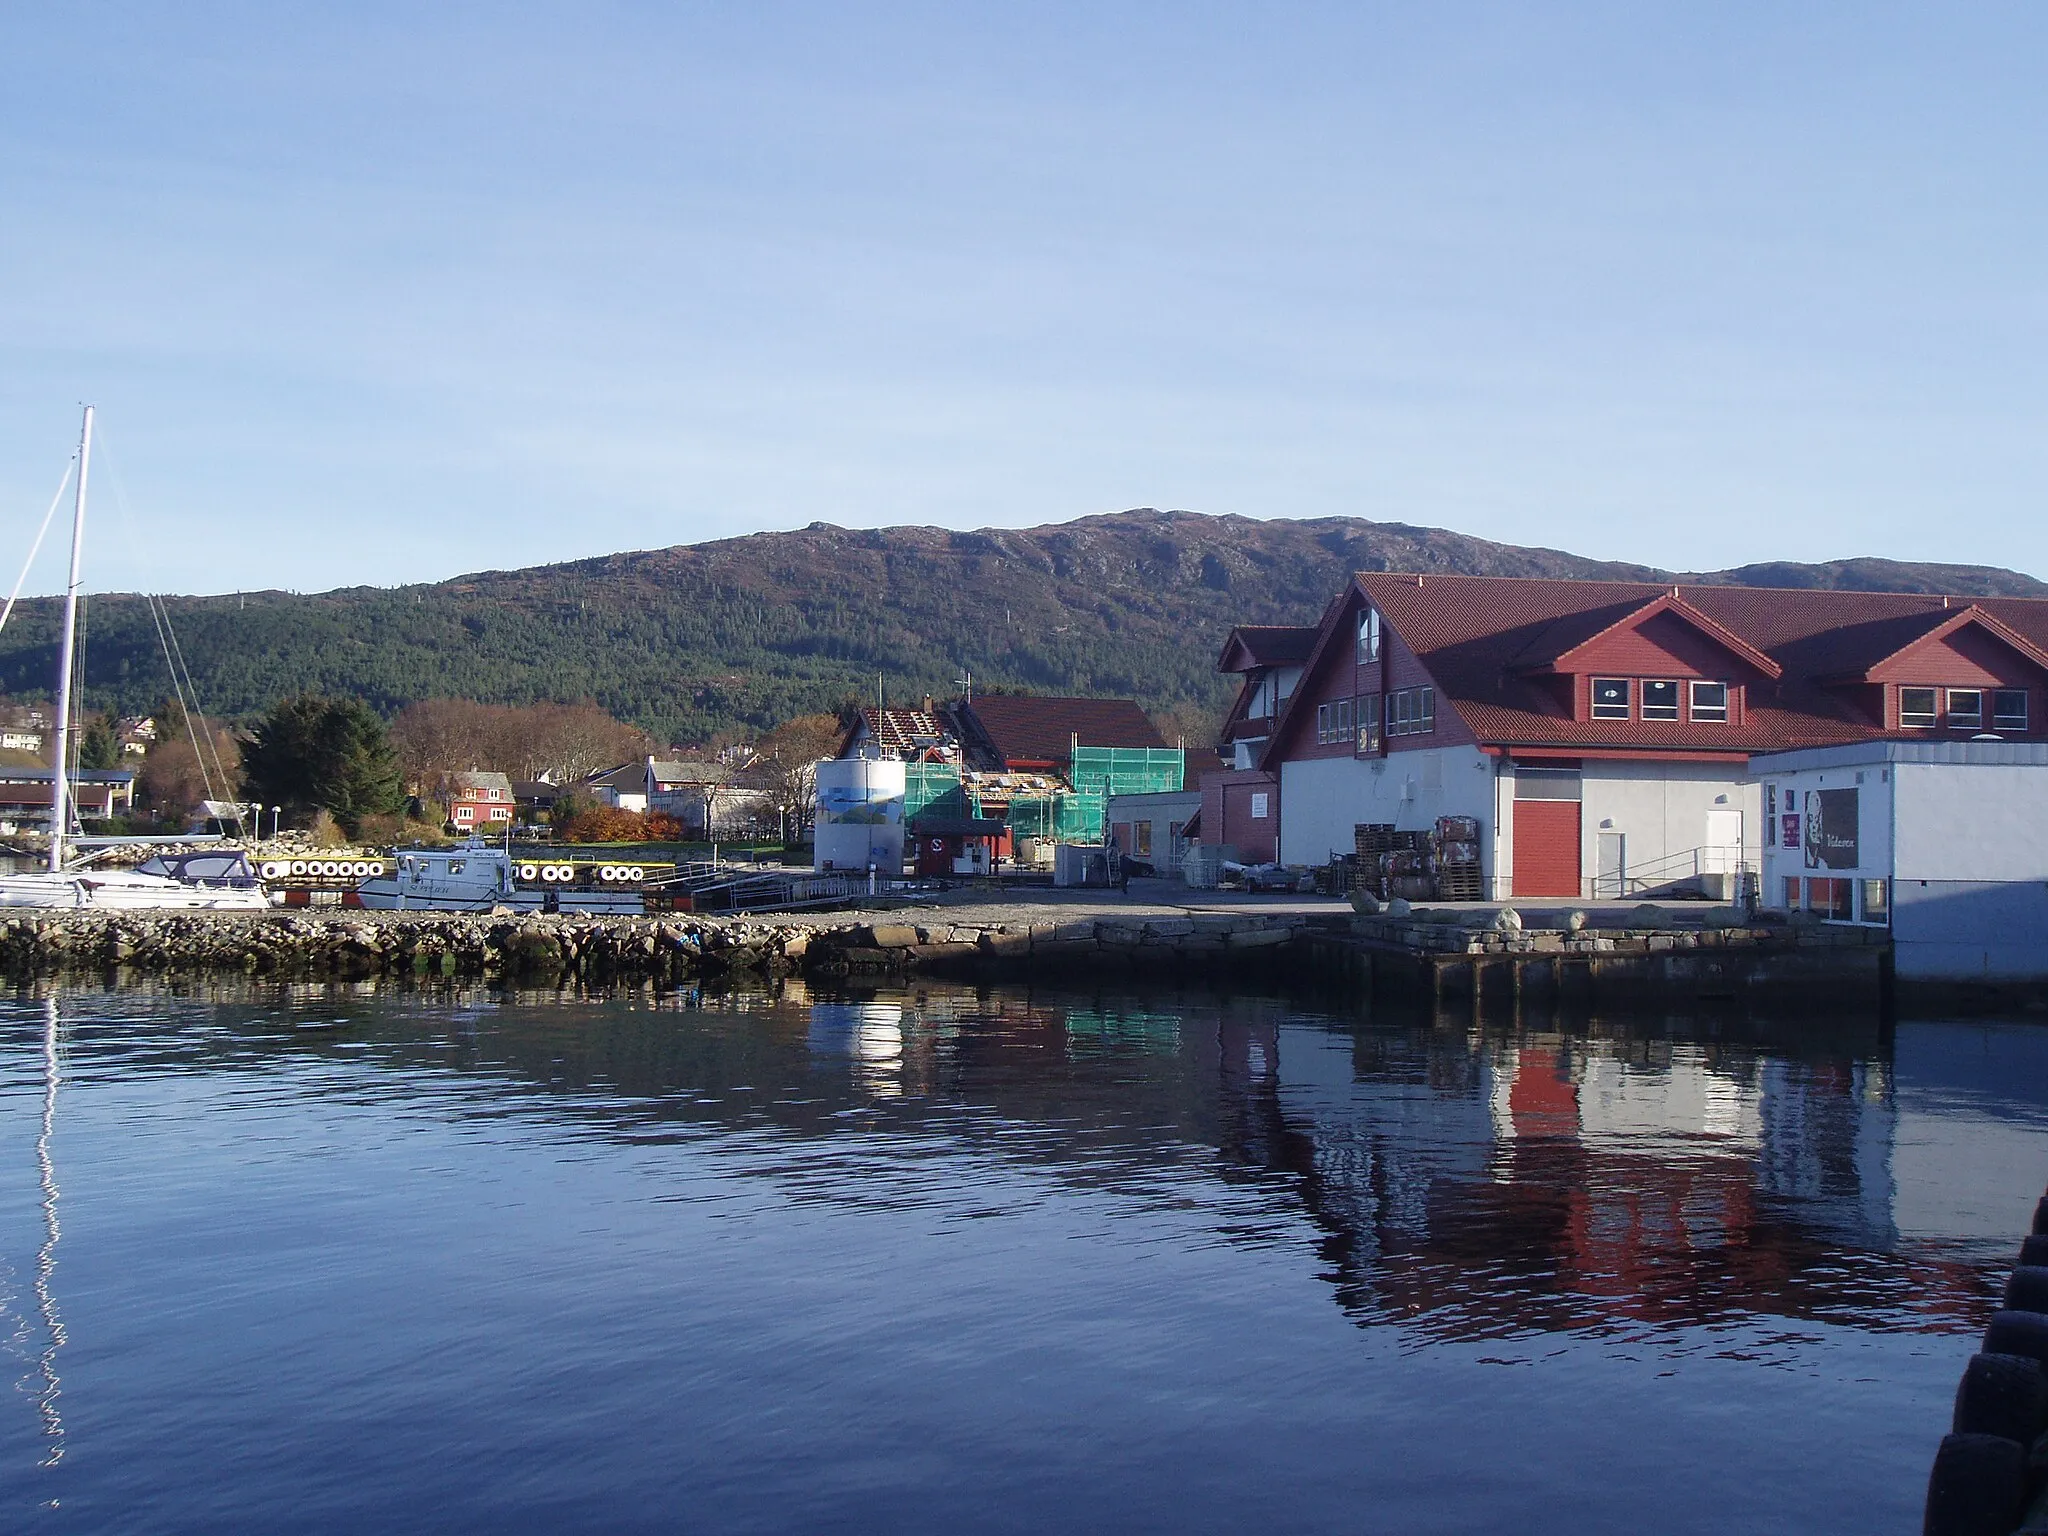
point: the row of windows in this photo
(1409, 712)
(1839, 900)
(1615, 698)
(1336, 720)
(1965, 708)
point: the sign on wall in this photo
(1831, 829)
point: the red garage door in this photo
(1546, 848)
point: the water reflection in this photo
(1464, 1184)
(49, 1387)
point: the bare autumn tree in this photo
(437, 737)
(787, 766)
(172, 783)
(568, 741)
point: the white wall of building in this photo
(1663, 810)
(1983, 821)
(1323, 798)
(1956, 831)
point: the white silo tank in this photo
(860, 815)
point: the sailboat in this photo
(82, 886)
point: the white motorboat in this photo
(479, 877)
(82, 886)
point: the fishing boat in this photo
(482, 877)
(76, 885)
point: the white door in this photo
(1610, 877)
(1722, 851)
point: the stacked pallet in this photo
(1371, 841)
(1454, 859)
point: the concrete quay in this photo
(1450, 960)
(352, 944)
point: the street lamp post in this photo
(275, 812)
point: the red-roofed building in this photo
(1599, 731)
(1020, 732)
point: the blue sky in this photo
(380, 293)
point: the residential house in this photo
(137, 734)
(1600, 732)
(1241, 804)
(477, 801)
(623, 788)
(708, 798)
(912, 735)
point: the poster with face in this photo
(1789, 837)
(1831, 829)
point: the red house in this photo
(479, 801)
(1598, 732)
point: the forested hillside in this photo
(745, 632)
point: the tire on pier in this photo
(2002, 1395)
(2018, 1333)
(2027, 1290)
(1978, 1487)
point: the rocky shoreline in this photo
(360, 945)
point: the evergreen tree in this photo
(312, 754)
(97, 745)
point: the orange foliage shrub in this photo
(605, 824)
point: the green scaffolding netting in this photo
(1073, 816)
(933, 789)
(1106, 771)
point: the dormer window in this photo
(1966, 709)
(1611, 698)
(1660, 699)
(1916, 708)
(1710, 702)
(2009, 709)
(1369, 635)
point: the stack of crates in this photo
(1392, 863)
(1370, 841)
(1454, 859)
(1406, 867)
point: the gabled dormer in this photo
(1965, 674)
(1660, 662)
(1269, 658)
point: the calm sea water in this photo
(947, 1261)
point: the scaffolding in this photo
(1106, 771)
(934, 789)
(1058, 813)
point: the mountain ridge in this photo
(694, 639)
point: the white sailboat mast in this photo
(60, 809)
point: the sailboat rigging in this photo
(76, 885)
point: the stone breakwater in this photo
(358, 945)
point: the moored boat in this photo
(481, 877)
